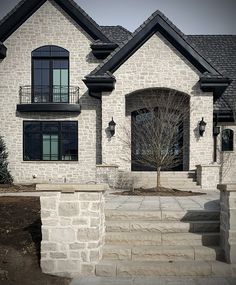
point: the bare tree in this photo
(156, 138)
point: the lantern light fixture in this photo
(202, 127)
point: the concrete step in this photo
(142, 215)
(163, 268)
(162, 226)
(161, 253)
(143, 238)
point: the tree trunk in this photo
(158, 177)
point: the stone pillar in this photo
(208, 176)
(107, 174)
(73, 228)
(228, 221)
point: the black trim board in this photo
(156, 24)
(215, 85)
(28, 7)
(3, 51)
(96, 85)
(49, 107)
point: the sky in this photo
(190, 16)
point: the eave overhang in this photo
(223, 116)
(3, 51)
(99, 84)
(215, 85)
(102, 50)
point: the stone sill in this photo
(107, 165)
(231, 187)
(207, 165)
(71, 188)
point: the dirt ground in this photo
(20, 236)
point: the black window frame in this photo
(41, 132)
(230, 146)
(61, 54)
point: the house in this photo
(64, 78)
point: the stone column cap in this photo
(231, 187)
(208, 165)
(70, 187)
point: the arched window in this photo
(50, 75)
(227, 140)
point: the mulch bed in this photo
(8, 188)
(20, 237)
(161, 191)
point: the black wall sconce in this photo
(202, 127)
(111, 127)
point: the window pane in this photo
(45, 76)
(69, 127)
(31, 146)
(50, 127)
(46, 147)
(56, 77)
(54, 147)
(37, 77)
(31, 126)
(227, 140)
(64, 77)
(69, 146)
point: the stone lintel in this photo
(71, 188)
(231, 187)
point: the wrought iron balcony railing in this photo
(45, 94)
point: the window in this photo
(50, 140)
(227, 140)
(50, 75)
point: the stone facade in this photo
(49, 25)
(156, 65)
(226, 159)
(73, 229)
(228, 221)
(107, 174)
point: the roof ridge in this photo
(148, 20)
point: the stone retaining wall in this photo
(228, 221)
(208, 176)
(73, 228)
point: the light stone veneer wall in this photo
(73, 230)
(227, 159)
(228, 221)
(156, 65)
(49, 25)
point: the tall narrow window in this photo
(50, 140)
(50, 75)
(227, 140)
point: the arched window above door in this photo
(50, 75)
(227, 140)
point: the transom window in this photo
(50, 75)
(50, 140)
(227, 140)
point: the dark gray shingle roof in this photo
(220, 50)
(116, 34)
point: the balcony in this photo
(49, 99)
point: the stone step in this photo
(142, 215)
(161, 253)
(161, 280)
(143, 238)
(163, 268)
(162, 226)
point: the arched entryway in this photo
(159, 118)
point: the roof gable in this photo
(13, 20)
(156, 23)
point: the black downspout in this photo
(216, 131)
